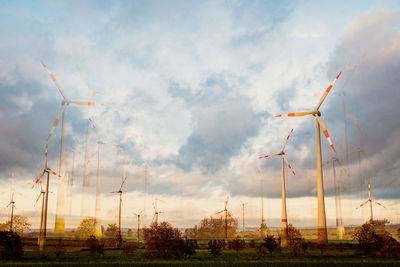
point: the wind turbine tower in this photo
(322, 231)
(284, 229)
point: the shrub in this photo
(94, 245)
(11, 247)
(238, 244)
(111, 231)
(59, 250)
(295, 240)
(371, 243)
(215, 247)
(252, 243)
(163, 241)
(190, 248)
(270, 244)
(86, 228)
(128, 248)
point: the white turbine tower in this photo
(284, 229)
(322, 231)
(98, 186)
(60, 212)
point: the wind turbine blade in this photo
(327, 91)
(38, 179)
(218, 212)
(55, 123)
(295, 114)
(86, 103)
(83, 76)
(109, 144)
(9, 204)
(91, 157)
(54, 80)
(267, 156)
(54, 173)
(287, 162)
(229, 214)
(362, 204)
(325, 131)
(343, 168)
(122, 184)
(284, 145)
(114, 192)
(379, 204)
(40, 194)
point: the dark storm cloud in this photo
(222, 124)
(373, 43)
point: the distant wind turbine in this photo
(284, 229)
(42, 234)
(338, 204)
(322, 231)
(138, 223)
(156, 211)
(370, 203)
(120, 202)
(227, 213)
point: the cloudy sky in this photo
(191, 89)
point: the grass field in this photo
(338, 253)
(74, 256)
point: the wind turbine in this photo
(60, 217)
(41, 194)
(120, 202)
(226, 216)
(338, 204)
(243, 204)
(322, 232)
(12, 202)
(98, 190)
(42, 234)
(156, 211)
(370, 203)
(138, 223)
(263, 226)
(284, 229)
(86, 179)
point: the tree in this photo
(111, 231)
(20, 224)
(94, 245)
(86, 228)
(372, 243)
(238, 244)
(212, 228)
(11, 247)
(295, 240)
(263, 229)
(164, 241)
(215, 247)
(269, 244)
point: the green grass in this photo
(247, 257)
